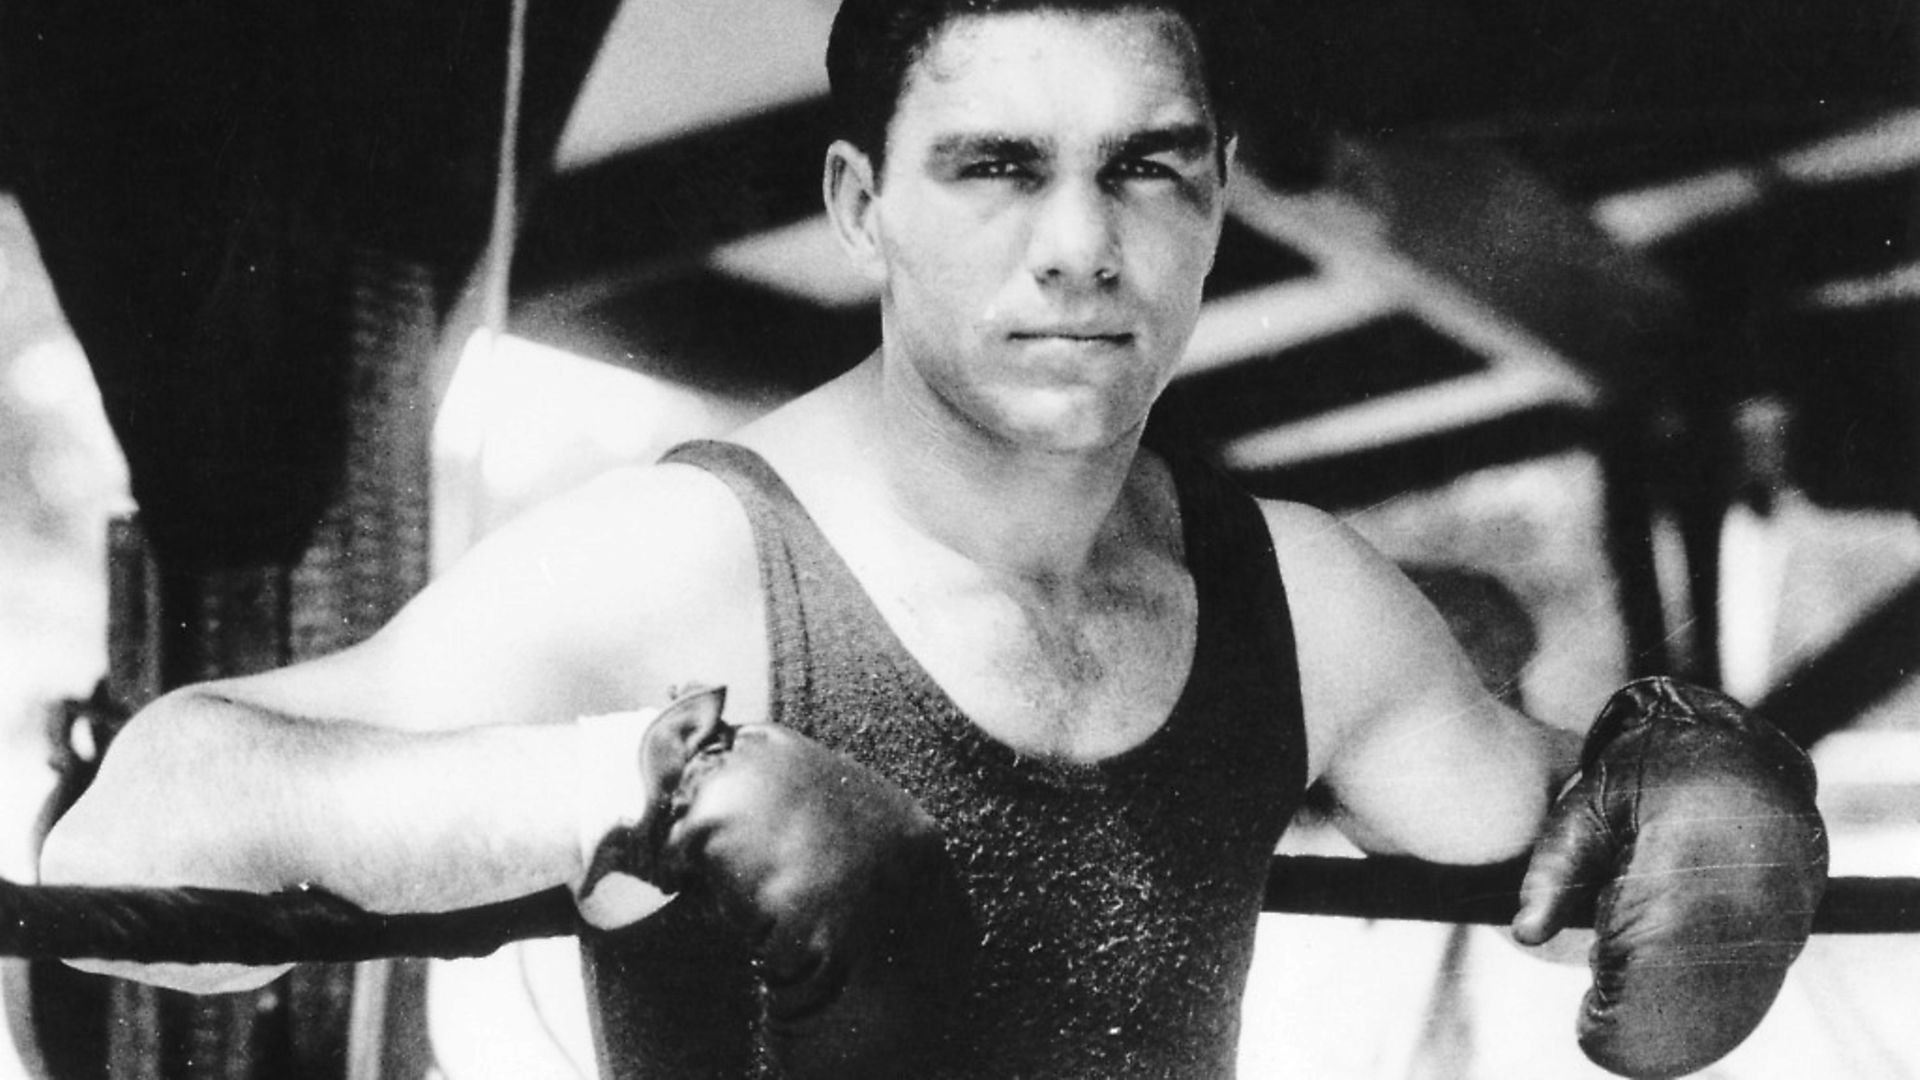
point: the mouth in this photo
(1074, 337)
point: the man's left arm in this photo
(1688, 824)
(1419, 757)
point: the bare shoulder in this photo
(600, 599)
(1369, 643)
(1307, 535)
(654, 536)
(630, 581)
(1329, 569)
(681, 517)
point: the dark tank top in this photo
(1117, 899)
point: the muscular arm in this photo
(1420, 759)
(208, 788)
(429, 767)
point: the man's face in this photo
(1051, 202)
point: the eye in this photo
(1141, 169)
(996, 169)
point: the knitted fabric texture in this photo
(1117, 899)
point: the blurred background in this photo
(1602, 319)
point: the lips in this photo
(1074, 339)
(1081, 334)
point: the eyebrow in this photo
(951, 148)
(1187, 140)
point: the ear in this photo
(850, 189)
(1229, 166)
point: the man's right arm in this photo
(431, 766)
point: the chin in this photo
(1075, 431)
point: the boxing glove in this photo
(834, 876)
(1692, 830)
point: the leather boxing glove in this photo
(1694, 821)
(836, 877)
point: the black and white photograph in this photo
(960, 539)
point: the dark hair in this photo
(875, 43)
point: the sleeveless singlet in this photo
(1117, 899)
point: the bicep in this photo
(1419, 758)
(210, 782)
(595, 605)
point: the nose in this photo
(1073, 242)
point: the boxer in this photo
(1104, 674)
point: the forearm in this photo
(203, 790)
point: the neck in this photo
(1031, 512)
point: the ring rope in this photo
(309, 924)
(1395, 888)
